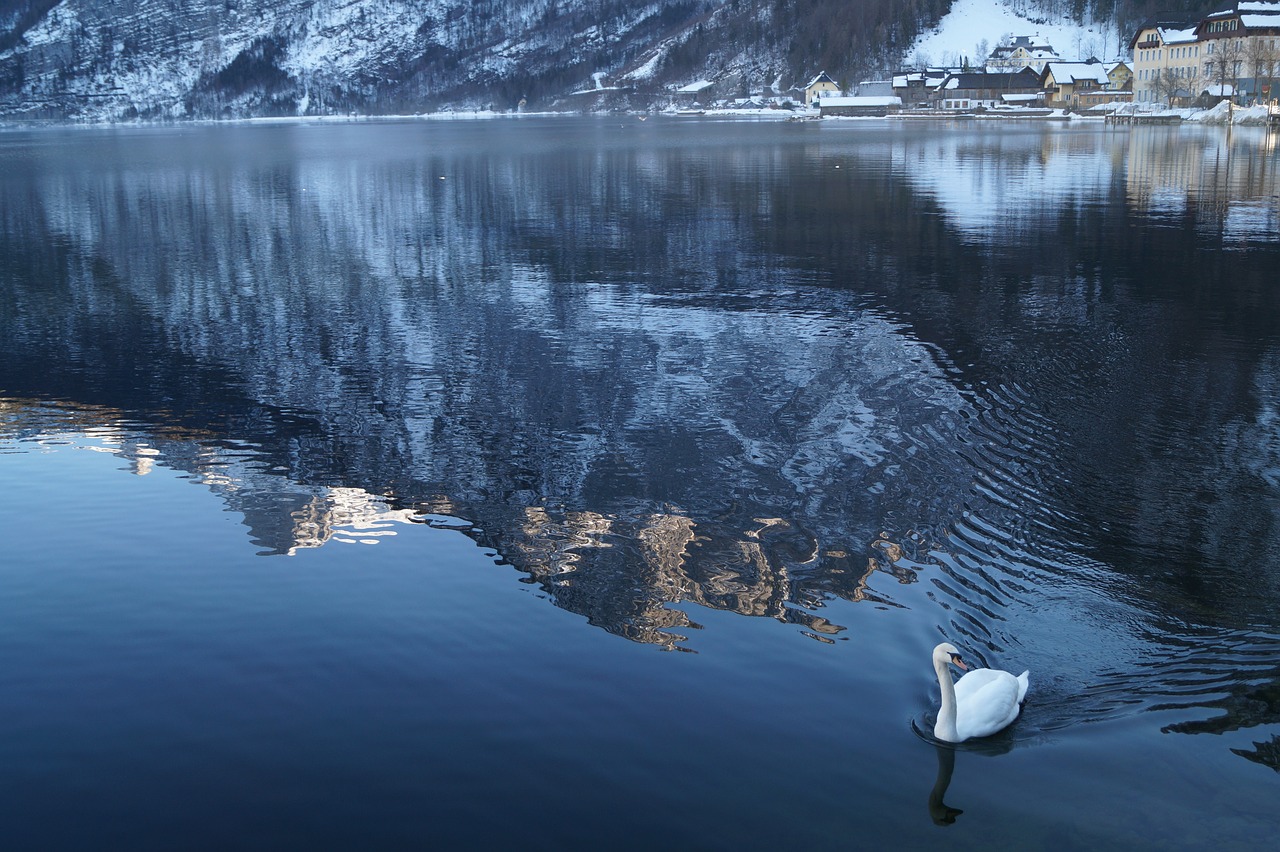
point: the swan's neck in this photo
(945, 728)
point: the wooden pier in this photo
(1140, 118)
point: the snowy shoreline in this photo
(1223, 114)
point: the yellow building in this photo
(818, 87)
(1166, 59)
(1120, 76)
(1073, 85)
(1236, 51)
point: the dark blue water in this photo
(359, 481)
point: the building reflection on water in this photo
(1226, 180)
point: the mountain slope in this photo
(105, 59)
(112, 59)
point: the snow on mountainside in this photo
(96, 60)
(974, 27)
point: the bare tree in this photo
(1225, 64)
(1261, 60)
(1163, 86)
(1191, 83)
(998, 60)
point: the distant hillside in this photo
(120, 59)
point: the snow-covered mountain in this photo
(111, 59)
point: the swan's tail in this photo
(1023, 684)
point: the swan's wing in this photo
(974, 680)
(978, 678)
(988, 705)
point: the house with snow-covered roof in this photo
(820, 86)
(1120, 76)
(694, 93)
(1237, 46)
(1074, 85)
(1242, 50)
(914, 88)
(1166, 58)
(1022, 52)
(967, 90)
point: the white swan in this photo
(980, 703)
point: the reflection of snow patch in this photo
(988, 182)
(1167, 201)
(845, 428)
(1255, 221)
(755, 450)
(1261, 439)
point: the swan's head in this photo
(948, 653)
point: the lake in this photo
(584, 483)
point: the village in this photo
(1230, 56)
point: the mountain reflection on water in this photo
(753, 369)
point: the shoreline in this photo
(1218, 115)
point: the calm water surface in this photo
(360, 481)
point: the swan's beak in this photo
(955, 658)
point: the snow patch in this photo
(648, 69)
(971, 22)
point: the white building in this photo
(1022, 52)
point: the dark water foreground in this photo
(340, 462)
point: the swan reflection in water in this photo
(939, 811)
